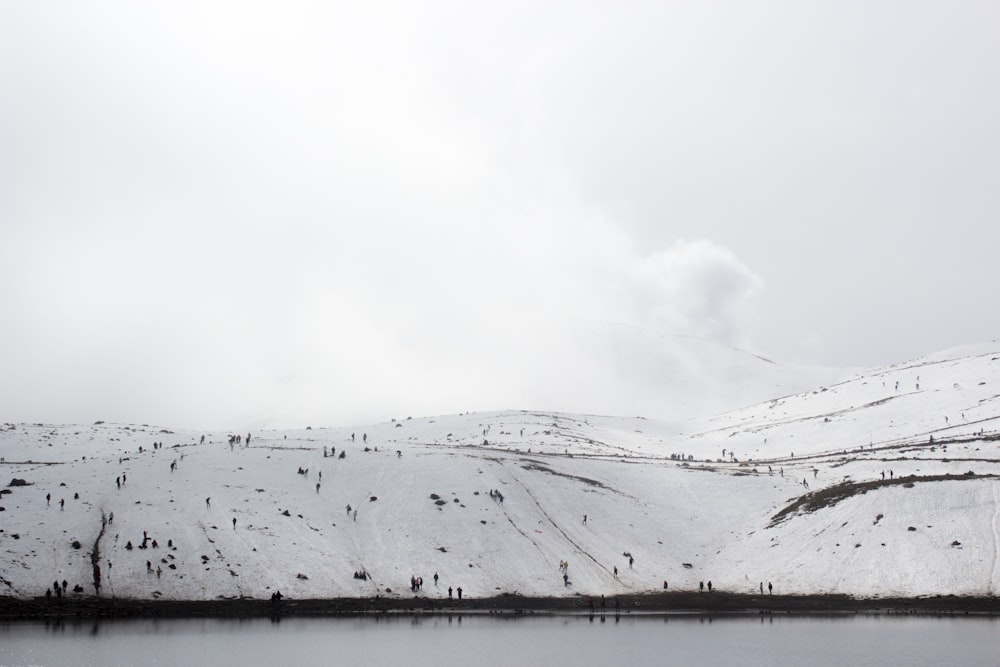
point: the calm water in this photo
(549, 641)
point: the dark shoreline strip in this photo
(716, 603)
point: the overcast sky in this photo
(216, 214)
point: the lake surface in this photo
(512, 641)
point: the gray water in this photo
(509, 641)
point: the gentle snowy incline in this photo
(863, 487)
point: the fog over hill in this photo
(875, 482)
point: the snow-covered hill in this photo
(789, 491)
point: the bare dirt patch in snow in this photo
(585, 480)
(830, 496)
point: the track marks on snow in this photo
(555, 525)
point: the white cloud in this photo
(243, 210)
(698, 288)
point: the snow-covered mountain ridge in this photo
(789, 491)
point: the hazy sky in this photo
(285, 213)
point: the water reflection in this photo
(506, 639)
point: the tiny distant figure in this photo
(565, 579)
(321, 474)
(355, 515)
(364, 437)
(630, 561)
(234, 523)
(585, 518)
(459, 591)
(248, 439)
(48, 499)
(890, 474)
(664, 584)
(770, 588)
(62, 502)
(317, 487)
(710, 586)
(883, 474)
(208, 502)
(781, 471)
(202, 440)
(158, 571)
(815, 473)
(111, 518)
(348, 510)
(701, 586)
(118, 482)
(616, 571)
(449, 592)
(435, 578)
(762, 588)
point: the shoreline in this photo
(680, 603)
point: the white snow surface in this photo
(663, 492)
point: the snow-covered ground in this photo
(691, 501)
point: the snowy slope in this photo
(662, 492)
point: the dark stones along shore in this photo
(716, 603)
